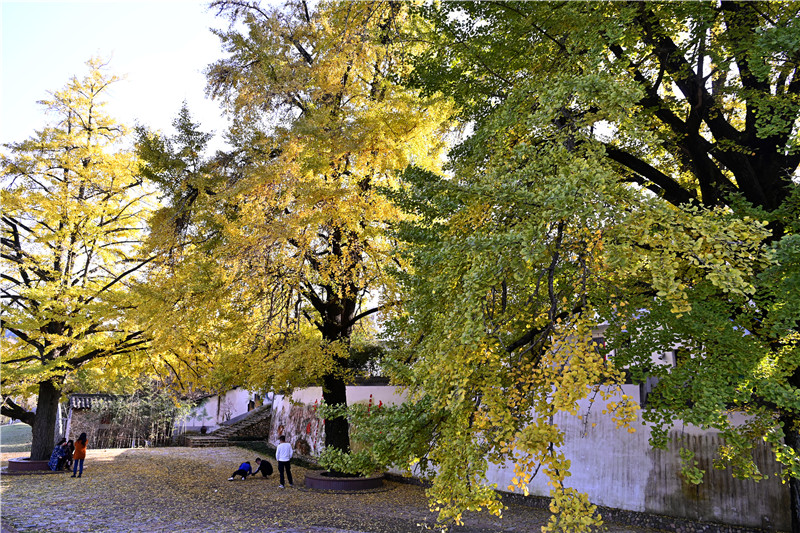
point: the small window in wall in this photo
(667, 358)
(599, 344)
(646, 389)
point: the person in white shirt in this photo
(283, 454)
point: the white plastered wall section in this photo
(214, 410)
(615, 468)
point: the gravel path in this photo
(182, 490)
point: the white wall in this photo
(621, 470)
(615, 468)
(355, 394)
(215, 410)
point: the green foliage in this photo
(359, 463)
(631, 164)
(176, 165)
(689, 469)
(383, 436)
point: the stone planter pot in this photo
(325, 481)
(24, 464)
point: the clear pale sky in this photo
(161, 48)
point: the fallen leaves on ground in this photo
(186, 489)
(181, 490)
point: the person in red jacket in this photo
(79, 455)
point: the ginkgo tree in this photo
(74, 213)
(633, 163)
(282, 264)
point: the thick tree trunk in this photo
(44, 426)
(792, 438)
(337, 430)
(337, 327)
(794, 494)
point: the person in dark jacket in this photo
(244, 470)
(265, 467)
(56, 461)
(68, 455)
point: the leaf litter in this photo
(182, 490)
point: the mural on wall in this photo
(301, 426)
(296, 416)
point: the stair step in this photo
(205, 441)
(219, 437)
(254, 417)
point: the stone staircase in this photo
(203, 441)
(232, 428)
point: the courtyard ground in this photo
(180, 490)
(15, 438)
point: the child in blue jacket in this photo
(244, 470)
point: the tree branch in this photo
(364, 314)
(25, 338)
(15, 412)
(673, 192)
(691, 83)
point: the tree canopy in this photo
(286, 251)
(630, 167)
(632, 164)
(74, 212)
